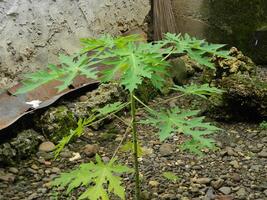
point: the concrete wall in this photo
(34, 32)
(241, 23)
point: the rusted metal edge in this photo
(14, 107)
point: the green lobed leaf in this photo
(199, 90)
(182, 121)
(198, 50)
(95, 176)
(70, 68)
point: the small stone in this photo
(225, 190)
(34, 166)
(265, 192)
(202, 180)
(145, 195)
(255, 168)
(209, 194)
(241, 193)
(230, 151)
(66, 154)
(32, 196)
(153, 183)
(166, 149)
(217, 184)
(235, 164)
(8, 177)
(47, 146)
(90, 150)
(13, 170)
(55, 170)
(236, 177)
(263, 153)
(83, 98)
(105, 159)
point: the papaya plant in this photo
(130, 63)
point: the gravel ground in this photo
(237, 169)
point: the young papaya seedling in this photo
(129, 64)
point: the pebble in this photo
(90, 150)
(225, 190)
(8, 177)
(13, 170)
(166, 149)
(217, 184)
(263, 153)
(202, 180)
(236, 177)
(153, 183)
(265, 192)
(55, 170)
(235, 164)
(83, 98)
(241, 193)
(47, 146)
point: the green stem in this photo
(135, 155)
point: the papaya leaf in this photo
(99, 177)
(198, 50)
(70, 68)
(200, 90)
(110, 108)
(182, 121)
(132, 63)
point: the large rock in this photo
(20, 147)
(33, 33)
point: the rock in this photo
(265, 192)
(35, 167)
(145, 195)
(241, 193)
(55, 170)
(209, 194)
(230, 151)
(153, 183)
(217, 184)
(13, 170)
(225, 190)
(47, 146)
(83, 98)
(8, 177)
(56, 122)
(202, 180)
(235, 164)
(166, 149)
(20, 147)
(255, 168)
(263, 153)
(90, 149)
(236, 177)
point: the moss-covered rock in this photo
(56, 122)
(20, 147)
(245, 96)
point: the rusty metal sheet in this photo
(13, 107)
(10, 109)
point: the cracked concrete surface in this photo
(34, 32)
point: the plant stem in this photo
(135, 155)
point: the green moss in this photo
(56, 122)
